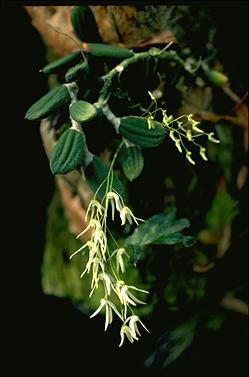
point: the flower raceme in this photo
(106, 266)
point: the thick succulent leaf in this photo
(131, 160)
(84, 24)
(49, 103)
(136, 130)
(162, 228)
(68, 152)
(82, 111)
(108, 51)
(62, 62)
(96, 173)
(76, 72)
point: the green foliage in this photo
(102, 50)
(172, 344)
(132, 162)
(96, 175)
(84, 24)
(136, 130)
(223, 154)
(82, 111)
(79, 71)
(49, 103)
(162, 228)
(63, 62)
(215, 321)
(223, 210)
(191, 289)
(216, 77)
(68, 153)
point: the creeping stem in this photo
(151, 53)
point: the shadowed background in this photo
(41, 335)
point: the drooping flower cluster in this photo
(106, 266)
(181, 129)
(189, 130)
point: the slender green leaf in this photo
(61, 63)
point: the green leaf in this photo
(162, 228)
(172, 344)
(82, 111)
(49, 103)
(136, 251)
(61, 63)
(96, 174)
(84, 24)
(136, 130)
(78, 71)
(132, 162)
(108, 51)
(68, 152)
(216, 77)
(223, 210)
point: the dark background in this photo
(45, 336)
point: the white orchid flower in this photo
(93, 223)
(126, 297)
(125, 330)
(114, 199)
(89, 244)
(126, 214)
(109, 306)
(119, 258)
(107, 282)
(133, 320)
(95, 208)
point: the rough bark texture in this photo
(119, 25)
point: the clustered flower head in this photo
(106, 266)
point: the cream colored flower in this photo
(107, 282)
(89, 244)
(109, 306)
(126, 214)
(119, 258)
(93, 223)
(100, 241)
(133, 320)
(95, 263)
(125, 295)
(125, 330)
(114, 199)
(95, 208)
